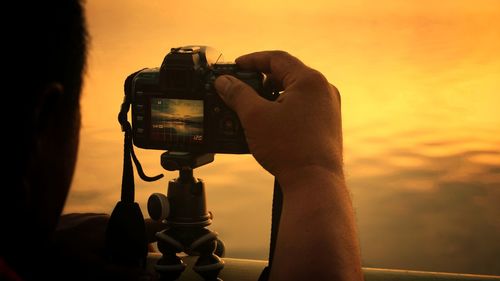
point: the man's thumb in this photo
(238, 95)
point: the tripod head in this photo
(173, 161)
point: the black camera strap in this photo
(275, 221)
(128, 175)
(275, 218)
(126, 241)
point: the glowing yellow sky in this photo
(425, 59)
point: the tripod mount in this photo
(185, 215)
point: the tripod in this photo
(184, 213)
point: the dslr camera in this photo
(176, 107)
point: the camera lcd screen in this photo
(177, 121)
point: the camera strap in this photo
(126, 241)
(275, 221)
(128, 149)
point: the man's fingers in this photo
(283, 67)
(239, 96)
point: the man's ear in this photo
(47, 107)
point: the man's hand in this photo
(298, 138)
(302, 128)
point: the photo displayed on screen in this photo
(177, 121)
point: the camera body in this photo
(176, 107)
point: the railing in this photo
(249, 270)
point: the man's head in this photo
(46, 55)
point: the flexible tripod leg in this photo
(208, 264)
(170, 266)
